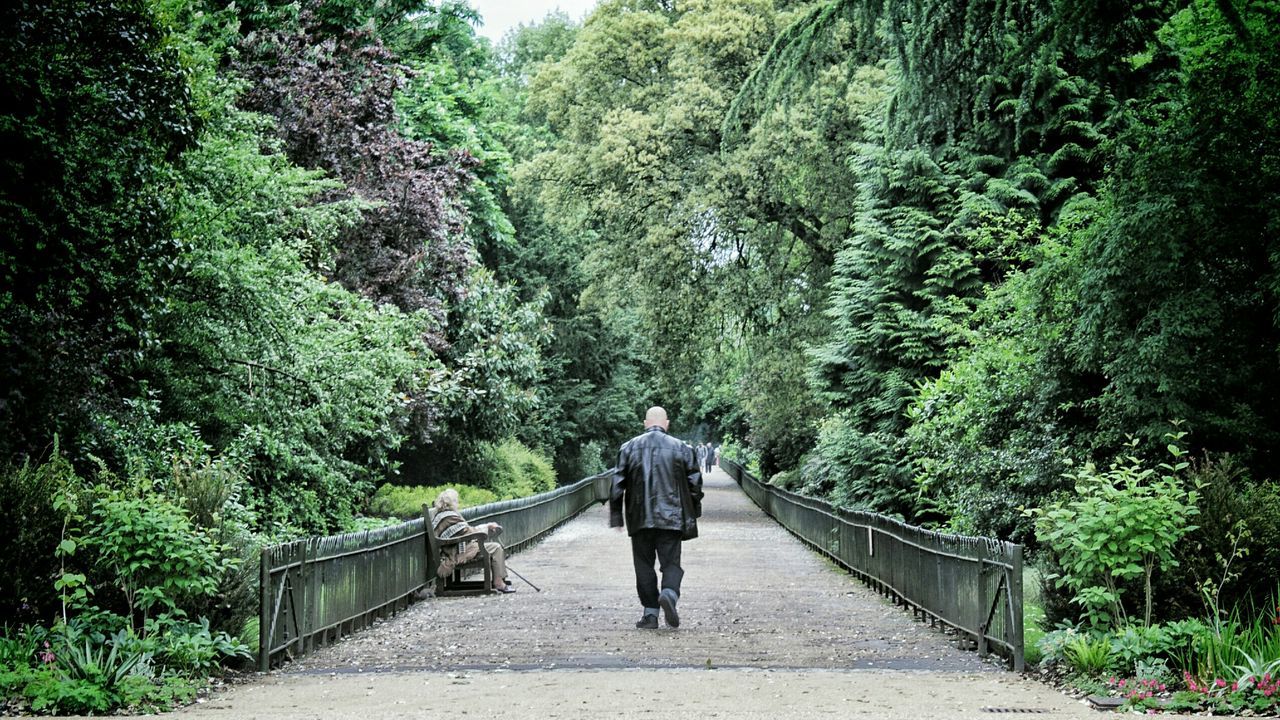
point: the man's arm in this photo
(616, 489)
(693, 472)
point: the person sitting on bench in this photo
(449, 524)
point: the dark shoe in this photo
(648, 622)
(667, 600)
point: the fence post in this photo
(1015, 611)
(305, 611)
(983, 607)
(264, 616)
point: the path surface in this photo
(769, 629)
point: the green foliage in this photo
(986, 436)
(895, 298)
(75, 672)
(911, 254)
(626, 165)
(787, 480)
(104, 666)
(405, 501)
(492, 471)
(1122, 524)
(495, 353)
(1174, 302)
(524, 49)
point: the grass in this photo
(1032, 616)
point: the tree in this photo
(334, 100)
(97, 111)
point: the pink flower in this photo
(1220, 683)
(1235, 686)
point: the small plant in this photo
(124, 531)
(1156, 669)
(1089, 654)
(1135, 644)
(192, 649)
(1231, 648)
(23, 646)
(1053, 645)
(1260, 694)
(105, 665)
(1138, 693)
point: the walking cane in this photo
(513, 572)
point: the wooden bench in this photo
(455, 583)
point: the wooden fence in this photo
(316, 590)
(973, 585)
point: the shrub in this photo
(1233, 648)
(148, 548)
(26, 543)
(787, 480)
(1232, 507)
(211, 489)
(1121, 525)
(515, 471)
(574, 462)
(406, 502)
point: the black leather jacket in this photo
(656, 484)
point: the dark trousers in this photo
(665, 545)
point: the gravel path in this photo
(768, 629)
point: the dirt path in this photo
(768, 629)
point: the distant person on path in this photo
(702, 456)
(449, 523)
(716, 456)
(657, 489)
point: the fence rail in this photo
(316, 590)
(973, 585)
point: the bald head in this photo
(655, 416)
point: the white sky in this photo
(502, 15)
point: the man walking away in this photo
(657, 489)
